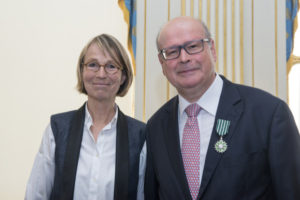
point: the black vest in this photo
(68, 130)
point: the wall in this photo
(40, 43)
(250, 42)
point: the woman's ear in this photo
(123, 78)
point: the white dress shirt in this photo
(95, 176)
(209, 103)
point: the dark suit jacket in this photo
(262, 160)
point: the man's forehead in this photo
(183, 22)
(181, 26)
(180, 35)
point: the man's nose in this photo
(184, 56)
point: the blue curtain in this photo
(129, 10)
(291, 25)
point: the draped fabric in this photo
(129, 10)
(292, 7)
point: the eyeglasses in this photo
(191, 47)
(108, 68)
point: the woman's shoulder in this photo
(135, 122)
(136, 131)
(63, 114)
(68, 115)
(62, 118)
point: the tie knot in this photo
(193, 110)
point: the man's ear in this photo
(213, 50)
(161, 61)
(160, 58)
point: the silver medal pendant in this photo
(221, 146)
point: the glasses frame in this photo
(104, 67)
(183, 46)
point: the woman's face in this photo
(100, 85)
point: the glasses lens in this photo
(93, 66)
(171, 53)
(109, 68)
(194, 47)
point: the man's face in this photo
(188, 73)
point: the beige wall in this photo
(40, 42)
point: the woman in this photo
(94, 152)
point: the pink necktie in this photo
(191, 149)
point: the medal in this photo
(221, 146)
(222, 130)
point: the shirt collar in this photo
(208, 101)
(89, 121)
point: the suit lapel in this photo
(230, 108)
(173, 146)
(72, 153)
(122, 159)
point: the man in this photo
(216, 139)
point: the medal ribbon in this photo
(222, 127)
